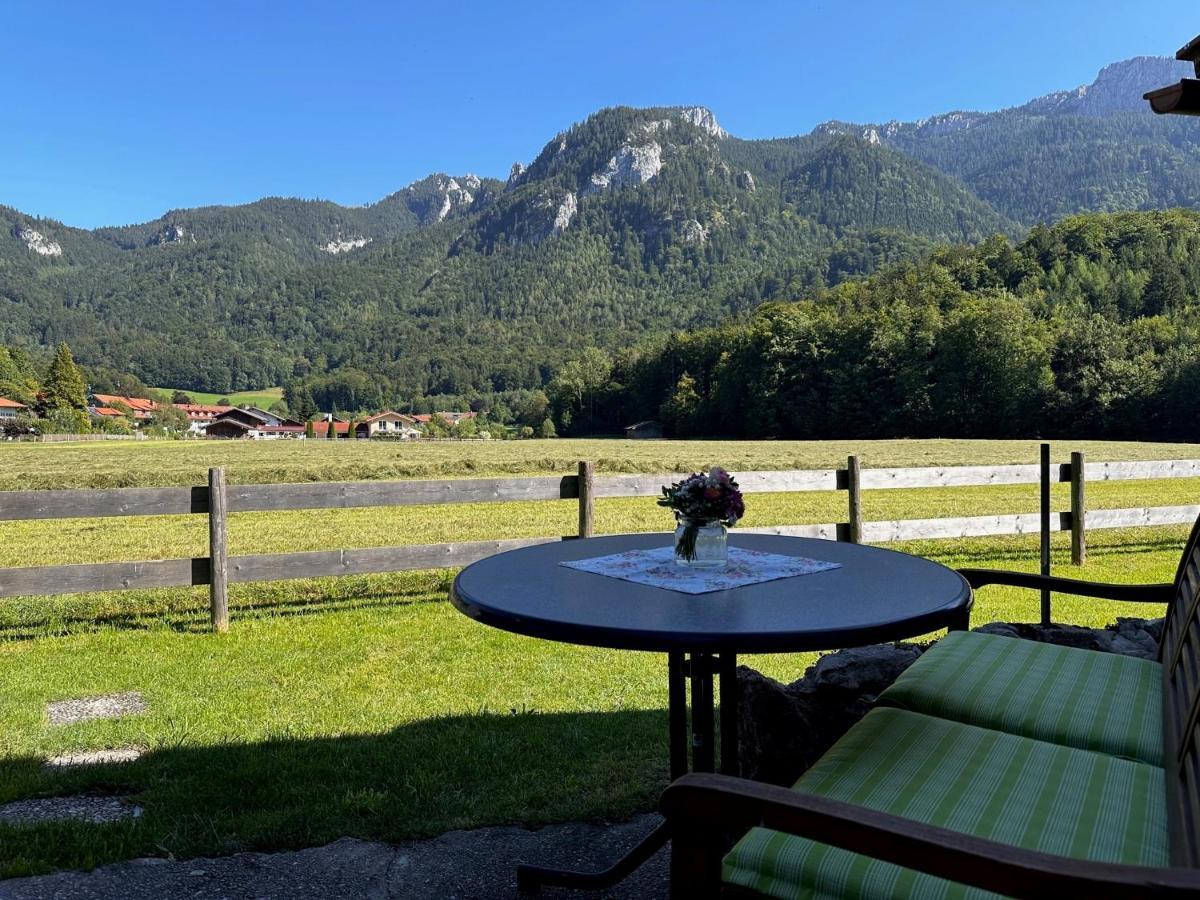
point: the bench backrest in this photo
(1180, 655)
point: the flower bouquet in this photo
(706, 504)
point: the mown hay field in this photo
(161, 463)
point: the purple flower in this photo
(706, 496)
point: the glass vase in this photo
(701, 544)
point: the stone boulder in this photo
(784, 729)
(1131, 637)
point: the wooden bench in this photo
(992, 765)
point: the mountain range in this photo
(631, 223)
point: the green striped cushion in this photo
(1078, 698)
(976, 781)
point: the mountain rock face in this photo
(629, 165)
(38, 242)
(170, 234)
(345, 245)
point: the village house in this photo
(253, 423)
(9, 409)
(114, 406)
(389, 424)
(200, 415)
(341, 428)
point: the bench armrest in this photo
(1135, 593)
(698, 807)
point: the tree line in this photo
(1087, 328)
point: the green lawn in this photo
(263, 398)
(368, 706)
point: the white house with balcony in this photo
(389, 424)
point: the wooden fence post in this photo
(587, 499)
(1078, 511)
(218, 550)
(1045, 528)
(854, 499)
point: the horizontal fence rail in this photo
(217, 500)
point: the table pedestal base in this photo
(700, 669)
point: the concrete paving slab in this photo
(84, 808)
(108, 706)
(94, 758)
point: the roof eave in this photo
(1181, 99)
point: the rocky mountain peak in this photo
(1117, 88)
(702, 117)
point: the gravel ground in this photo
(459, 865)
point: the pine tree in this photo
(64, 387)
(309, 432)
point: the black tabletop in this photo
(876, 595)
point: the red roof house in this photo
(10, 408)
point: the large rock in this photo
(784, 728)
(1130, 637)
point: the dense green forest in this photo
(1088, 328)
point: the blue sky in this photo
(115, 112)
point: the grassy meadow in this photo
(368, 706)
(262, 398)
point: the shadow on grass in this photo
(417, 780)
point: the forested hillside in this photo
(1089, 328)
(1096, 148)
(632, 222)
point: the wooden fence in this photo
(217, 500)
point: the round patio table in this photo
(876, 595)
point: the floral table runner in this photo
(658, 568)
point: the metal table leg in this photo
(677, 713)
(699, 668)
(703, 737)
(727, 671)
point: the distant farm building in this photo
(648, 429)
